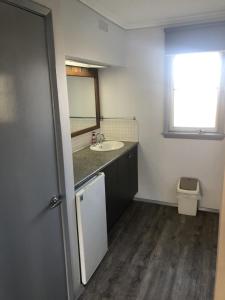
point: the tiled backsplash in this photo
(120, 129)
(113, 129)
(81, 141)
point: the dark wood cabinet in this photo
(121, 184)
(112, 199)
(133, 170)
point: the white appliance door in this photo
(92, 229)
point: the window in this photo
(194, 107)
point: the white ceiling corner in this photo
(133, 14)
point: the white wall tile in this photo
(81, 141)
(120, 129)
(113, 129)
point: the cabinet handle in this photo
(130, 155)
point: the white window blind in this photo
(195, 38)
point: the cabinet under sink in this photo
(100, 201)
(121, 176)
(121, 184)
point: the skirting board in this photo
(212, 210)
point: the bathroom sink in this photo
(107, 146)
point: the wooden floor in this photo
(156, 254)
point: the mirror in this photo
(83, 94)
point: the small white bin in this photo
(188, 194)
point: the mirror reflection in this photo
(82, 87)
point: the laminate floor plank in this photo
(156, 254)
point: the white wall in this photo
(137, 89)
(85, 40)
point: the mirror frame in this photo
(93, 73)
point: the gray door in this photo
(32, 265)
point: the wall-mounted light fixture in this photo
(74, 63)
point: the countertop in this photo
(87, 162)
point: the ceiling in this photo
(131, 14)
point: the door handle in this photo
(54, 202)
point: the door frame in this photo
(46, 13)
(219, 289)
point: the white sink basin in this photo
(107, 146)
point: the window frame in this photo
(188, 132)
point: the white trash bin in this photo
(188, 194)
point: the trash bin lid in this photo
(188, 184)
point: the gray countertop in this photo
(87, 162)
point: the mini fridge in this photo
(92, 227)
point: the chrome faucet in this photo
(100, 138)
